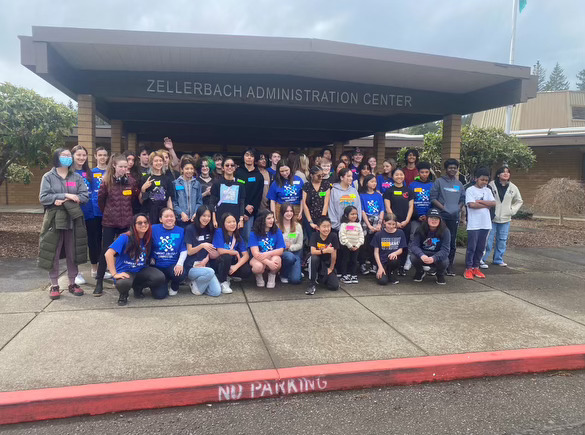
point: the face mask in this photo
(66, 161)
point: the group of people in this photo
(152, 220)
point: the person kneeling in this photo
(430, 246)
(126, 260)
(324, 246)
(388, 245)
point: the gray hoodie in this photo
(339, 199)
(450, 193)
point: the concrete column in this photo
(337, 151)
(132, 142)
(380, 147)
(86, 125)
(451, 144)
(117, 140)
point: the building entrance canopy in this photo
(221, 89)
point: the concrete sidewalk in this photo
(536, 302)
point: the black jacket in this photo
(253, 183)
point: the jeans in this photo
(175, 280)
(500, 232)
(206, 280)
(452, 224)
(291, 266)
(475, 245)
(247, 229)
(150, 277)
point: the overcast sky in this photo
(548, 31)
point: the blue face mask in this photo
(66, 161)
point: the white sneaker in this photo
(283, 279)
(79, 279)
(425, 268)
(194, 288)
(271, 280)
(483, 264)
(408, 264)
(172, 292)
(225, 287)
(502, 264)
(259, 280)
(108, 275)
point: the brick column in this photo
(86, 125)
(132, 142)
(451, 144)
(380, 147)
(117, 145)
(337, 151)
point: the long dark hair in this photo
(346, 211)
(364, 186)
(226, 236)
(424, 229)
(260, 224)
(134, 248)
(85, 166)
(278, 178)
(197, 223)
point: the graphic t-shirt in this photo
(97, 175)
(220, 243)
(269, 242)
(422, 196)
(318, 243)
(228, 197)
(87, 208)
(194, 236)
(372, 203)
(167, 245)
(478, 218)
(384, 183)
(387, 243)
(286, 193)
(124, 263)
(431, 244)
(399, 198)
(156, 196)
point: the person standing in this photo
(205, 167)
(157, 189)
(228, 195)
(275, 157)
(265, 202)
(253, 182)
(385, 180)
(351, 238)
(372, 215)
(448, 195)
(144, 167)
(187, 197)
(315, 194)
(97, 175)
(342, 195)
(410, 170)
(421, 187)
(356, 158)
(286, 187)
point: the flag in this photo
(522, 5)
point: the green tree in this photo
(557, 80)
(31, 127)
(539, 71)
(480, 147)
(581, 78)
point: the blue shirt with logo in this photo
(220, 243)
(97, 175)
(87, 208)
(372, 203)
(269, 242)
(422, 196)
(384, 183)
(124, 263)
(167, 245)
(287, 192)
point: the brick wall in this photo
(22, 194)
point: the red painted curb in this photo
(51, 403)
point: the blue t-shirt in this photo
(87, 208)
(194, 236)
(220, 243)
(372, 203)
(167, 245)
(422, 196)
(97, 175)
(354, 171)
(269, 242)
(286, 193)
(124, 263)
(384, 183)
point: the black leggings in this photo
(318, 269)
(366, 250)
(94, 238)
(150, 277)
(222, 267)
(389, 267)
(109, 235)
(404, 254)
(348, 256)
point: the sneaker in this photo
(450, 271)
(374, 268)
(483, 264)
(173, 292)
(392, 279)
(427, 268)
(259, 280)
(123, 300)
(478, 273)
(75, 289)
(408, 263)
(364, 270)
(54, 292)
(501, 264)
(468, 274)
(311, 290)
(431, 272)
(225, 288)
(195, 288)
(235, 278)
(99, 288)
(419, 275)
(271, 282)
(354, 279)
(346, 279)
(441, 280)
(401, 272)
(283, 279)
(108, 275)
(79, 279)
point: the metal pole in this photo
(512, 48)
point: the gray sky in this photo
(548, 31)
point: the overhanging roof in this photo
(149, 80)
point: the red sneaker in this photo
(468, 274)
(54, 292)
(477, 272)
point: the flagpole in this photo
(515, 6)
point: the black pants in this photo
(440, 266)
(404, 254)
(351, 257)
(109, 235)
(150, 277)
(476, 241)
(366, 251)
(390, 267)
(222, 265)
(169, 273)
(94, 238)
(452, 224)
(318, 269)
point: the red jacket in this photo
(115, 202)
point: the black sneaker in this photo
(441, 280)
(401, 272)
(123, 300)
(419, 275)
(450, 271)
(99, 288)
(311, 290)
(392, 279)
(354, 279)
(364, 269)
(346, 279)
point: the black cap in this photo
(433, 212)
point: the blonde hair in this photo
(156, 154)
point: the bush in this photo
(523, 214)
(461, 236)
(560, 197)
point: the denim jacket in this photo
(187, 196)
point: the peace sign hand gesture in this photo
(147, 184)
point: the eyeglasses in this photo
(141, 222)
(229, 165)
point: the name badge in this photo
(266, 183)
(385, 244)
(418, 189)
(398, 192)
(251, 179)
(157, 183)
(241, 181)
(175, 235)
(292, 235)
(322, 193)
(201, 238)
(84, 174)
(458, 188)
(97, 175)
(179, 187)
(321, 245)
(127, 192)
(350, 227)
(297, 182)
(71, 184)
(352, 195)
